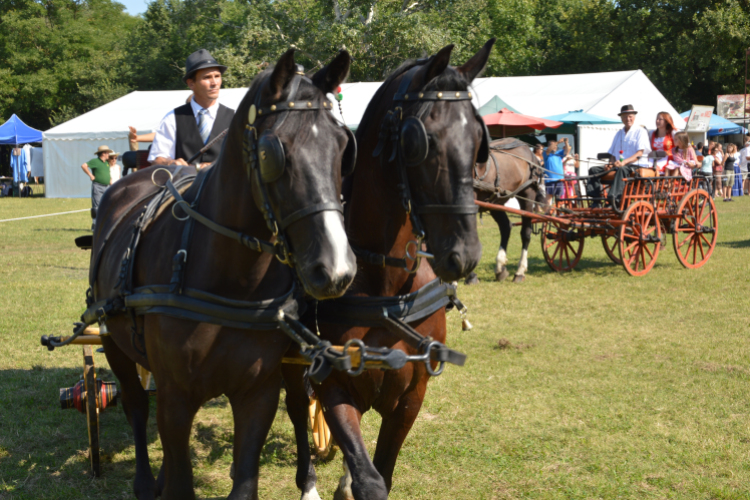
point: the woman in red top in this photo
(662, 140)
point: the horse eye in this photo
(432, 141)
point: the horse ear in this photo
(331, 76)
(435, 65)
(282, 74)
(476, 64)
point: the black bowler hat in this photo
(627, 109)
(198, 60)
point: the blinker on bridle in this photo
(265, 158)
(411, 146)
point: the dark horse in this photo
(194, 361)
(510, 172)
(378, 222)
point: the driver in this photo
(629, 150)
(185, 130)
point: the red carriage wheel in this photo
(92, 408)
(325, 447)
(695, 232)
(612, 248)
(640, 238)
(562, 247)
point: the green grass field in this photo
(606, 386)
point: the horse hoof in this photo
(472, 279)
(519, 278)
(502, 275)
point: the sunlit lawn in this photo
(607, 387)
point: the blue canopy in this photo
(14, 131)
(720, 126)
(572, 119)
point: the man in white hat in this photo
(185, 130)
(629, 150)
(98, 171)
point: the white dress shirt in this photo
(743, 158)
(635, 140)
(166, 135)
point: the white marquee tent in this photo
(72, 143)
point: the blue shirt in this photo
(553, 165)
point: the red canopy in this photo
(506, 122)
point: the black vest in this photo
(189, 139)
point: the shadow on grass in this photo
(734, 244)
(41, 439)
(538, 266)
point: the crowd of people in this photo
(629, 152)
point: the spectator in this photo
(98, 171)
(683, 157)
(538, 153)
(707, 168)
(553, 169)
(570, 170)
(743, 164)
(662, 139)
(718, 169)
(115, 171)
(729, 160)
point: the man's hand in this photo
(204, 164)
(179, 161)
(132, 135)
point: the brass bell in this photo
(465, 325)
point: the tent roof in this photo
(494, 105)
(718, 125)
(598, 93)
(15, 131)
(142, 110)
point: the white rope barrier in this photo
(47, 215)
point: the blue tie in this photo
(203, 127)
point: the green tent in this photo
(494, 105)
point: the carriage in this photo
(635, 228)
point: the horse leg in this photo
(254, 410)
(175, 412)
(297, 404)
(501, 260)
(361, 480)
(135, 404)
(393, 432)
(523, 264)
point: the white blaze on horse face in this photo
(337, 236)
(501, 260)
(464, 121)
(311, 495)
(314, 129)
(523, 264)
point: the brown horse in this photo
(510, 172)
(378, 221)
(193, 360)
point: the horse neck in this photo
(377, 222)
(226, 198)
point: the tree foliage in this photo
(61, 58)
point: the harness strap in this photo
(378, 259)
(447, 209)
(312, 209)
(250, 242)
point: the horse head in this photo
(442, 137)
(293, 154)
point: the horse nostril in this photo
(456, 262)
(320, 278)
